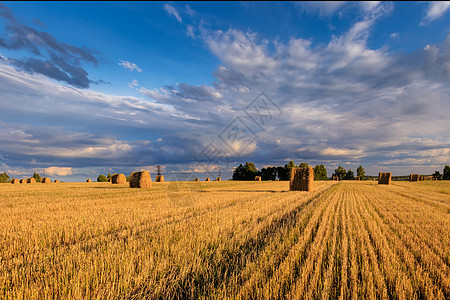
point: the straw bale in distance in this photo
(413, 177)
(88, 180)
(46, 180)
(22, 181)
(257, 178)
(335, 178)
(384, 178)
(31, 180)
(118, 179)
(207, 179)
(56, 181)
(421, 177)
(197, 179)
(141, 180)
(302, 179)
(15, 181)
(159, 178)
(109, 179)
(218, 179)
(357, 178)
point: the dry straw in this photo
(141, 180)
(46, 180)
(335, 178)
(218, 179)
(197, 179)
(257, 178)
(88, 180)
(207, 179)
(31, 180)
(413, 177)
(109, 179)
(302, 179)
(23, 181)
(56, 181)
(118, 179)
(159, 178)
(384, 178)
(15, 181)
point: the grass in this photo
(225, 240)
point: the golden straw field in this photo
(226, 239)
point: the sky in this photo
(88, 88)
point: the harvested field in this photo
(346, 239)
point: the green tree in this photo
(361, 173)
(109, 176)
(245, 172)
(37, 177)
(340, 173)
(349, 175)
(269, 173)
(437, 175)
(102, 178)
(4, 178)
(304, 165)
(446, 175)
(320, 173)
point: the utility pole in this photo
(158, 170)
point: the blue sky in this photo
(90, 88)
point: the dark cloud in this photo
(52, 58)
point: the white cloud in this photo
(58, 171)
(189, 10)
(436, 9)
(173, 12)
(190, 31)
(133, 84)
(129, 65)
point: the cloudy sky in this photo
(90, 88)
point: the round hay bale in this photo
(197, 179)
(31, 180)
(141, 180)
(88, 180)
(159, 178)
(15, 181)
(56, 181)
(218, 179)
(207, 179)
(46, 180)
(109, 179)
(302, 179)
(257, 178)
(23, 181)
(118, 179)
(384, 178)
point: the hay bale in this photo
(109, 179)
(46, 180)
(15, 181)
(422, 177)
(218, 179)
(88, 180)
(384, 178)
(159, 178)
(207, 179)
(23, 181)
(302, 179)
(56, 181)
(31, 180)
(141, 180)
(197, 179)
(357, 178)
(118, 179)
(413, 177)
(277, 179)
(335, 178)
(257, 178)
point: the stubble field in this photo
(225, 240)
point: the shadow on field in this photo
(250, 191)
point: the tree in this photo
(245, 172)
(320, 173)
(349, 175)
(340, 173)
(304, 165)
(269, 173)
(102, 178)
(109, 176)
(437, 175)
(361, 173)
(446, 175)
(37, 177)
(4, 178)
